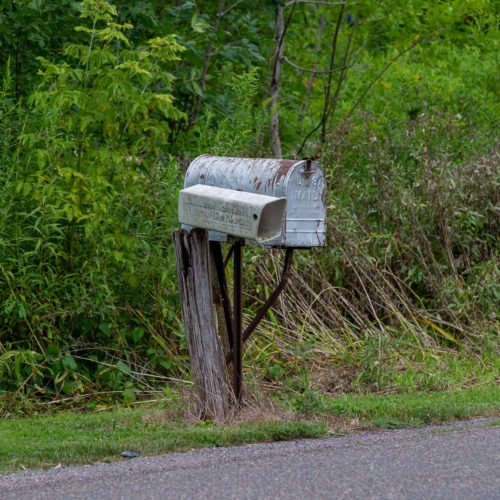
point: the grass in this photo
(78, 438)
(404, 410)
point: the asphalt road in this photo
(456, 461)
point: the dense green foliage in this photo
(101, 109)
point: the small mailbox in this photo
(301, 182)
(244, 215)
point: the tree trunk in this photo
(206, 62)
(275, 81)
(195, 288)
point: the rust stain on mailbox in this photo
(300, 181)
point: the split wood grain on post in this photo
(195, 288)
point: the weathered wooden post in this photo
(195, 288)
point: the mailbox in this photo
(301, 182)
(244, 215)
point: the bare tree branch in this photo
(230, 8)
(322, 22)
(314, 130)
(313, 71)
(280, 31)
(274, 89)
(332, 65)
(206, 62)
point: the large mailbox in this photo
(301, 182)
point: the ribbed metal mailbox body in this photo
(301, 182)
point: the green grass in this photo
(404, 410)
(77, 438)
(72, 438)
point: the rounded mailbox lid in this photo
(300, 181)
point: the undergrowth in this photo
(405, 296)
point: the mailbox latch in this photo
(308, 168)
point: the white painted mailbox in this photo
(235, 213)
(301, 182)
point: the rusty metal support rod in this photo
(215, 248)
(237, 320)
(287, 267)
(229, 255)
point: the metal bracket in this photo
(234, 321)
(233, 316)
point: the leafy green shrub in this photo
(88, 205)
(410, 275)
(236, 128)
(31, 29)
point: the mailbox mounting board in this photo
(301, 182)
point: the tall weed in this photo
(410, 278)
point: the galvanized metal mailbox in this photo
(301, 182)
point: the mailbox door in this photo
(305, 220)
